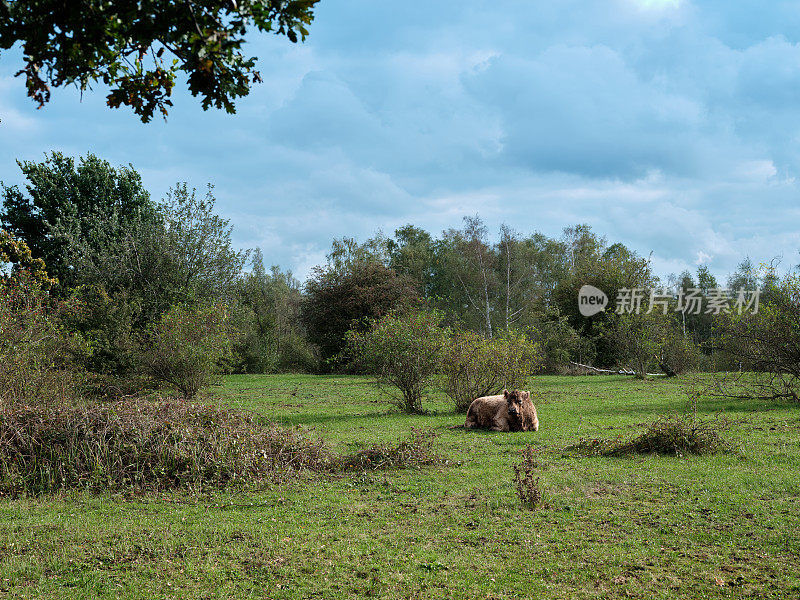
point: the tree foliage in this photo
(64, 200)
(16, 253)
(270, 336)
(610, 268)
(138, 49)
(178, 250)
(126, 258)
(337, 300)
(198, 243)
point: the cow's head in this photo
(514, 400)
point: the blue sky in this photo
(669, 125)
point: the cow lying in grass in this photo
(509, 411)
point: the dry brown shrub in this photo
(526, 479)
(675, 435)
(143, 444)
(413, 451)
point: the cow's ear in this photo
(505, 394)
(526, 395)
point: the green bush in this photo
(558, 341)
(107, 324)
(679, 354)
(39, 359)
(638, 340)
(473, 366)
(187, 347)
(266, 346)
(403, 352)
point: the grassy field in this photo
(721, 526)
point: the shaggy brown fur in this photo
(509, 411)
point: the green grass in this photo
(715, 526)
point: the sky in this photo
(671, 126)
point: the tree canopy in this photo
(66, 199)
(138, 49)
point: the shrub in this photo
(143, 445)
(403, 353)
(413, 451)
(39, 358)
(526, 479)
(473, 366)
(768, 342)
(677, 435)
(187, 347)
(679, 354)
(558, 342)
(337, 298)
(107, 323)
(638, 340)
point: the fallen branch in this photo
(621, 371)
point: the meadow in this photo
(644, 526)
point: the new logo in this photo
(591, 300)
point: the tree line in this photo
(130, 262)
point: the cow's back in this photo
(483, 411)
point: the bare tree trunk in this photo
(486, 296)
(508, 281)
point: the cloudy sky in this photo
(672, 126)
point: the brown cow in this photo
(509, 411)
